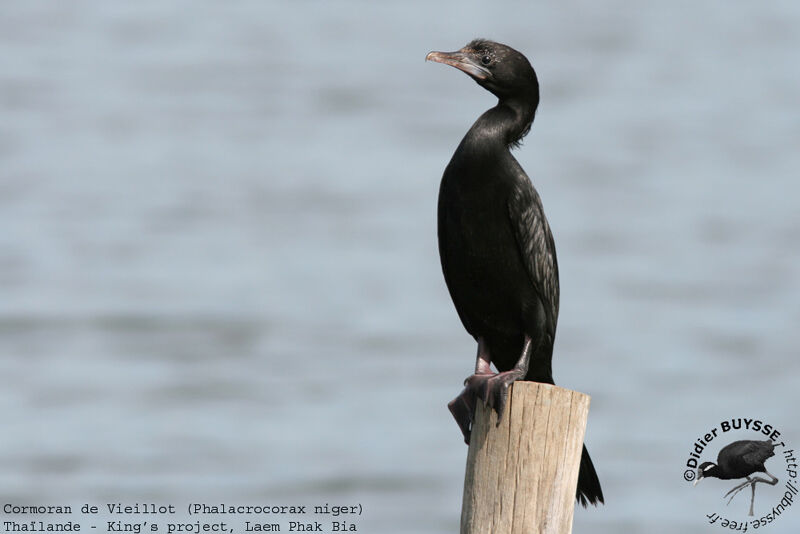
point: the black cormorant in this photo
(737, 460)
(495, 245)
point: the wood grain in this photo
(522, 474)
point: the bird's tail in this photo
(589, 490)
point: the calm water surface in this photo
(218, 264)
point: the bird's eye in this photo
(486, 60)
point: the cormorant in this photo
(495, 244)
(740, 459)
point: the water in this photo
(218, 260)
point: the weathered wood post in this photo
(522, 475)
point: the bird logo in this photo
(741, 459)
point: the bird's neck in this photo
(507, 123)
(713, 472)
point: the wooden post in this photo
(522, 475)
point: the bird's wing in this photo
(758, 452)
(535, 242)
(744, 454)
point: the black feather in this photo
(497, 251)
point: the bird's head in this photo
(705, 469)
(496, 67)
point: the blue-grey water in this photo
(218, 268)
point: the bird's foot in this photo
(492, 389)
(463, 406)
(737, 489)
(496, 391)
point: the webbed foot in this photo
(491, 388)
(496, 390)
(463, 406)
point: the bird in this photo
(737, 460)
(496, 248)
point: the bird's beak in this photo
(696, 481)
(461, 61)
